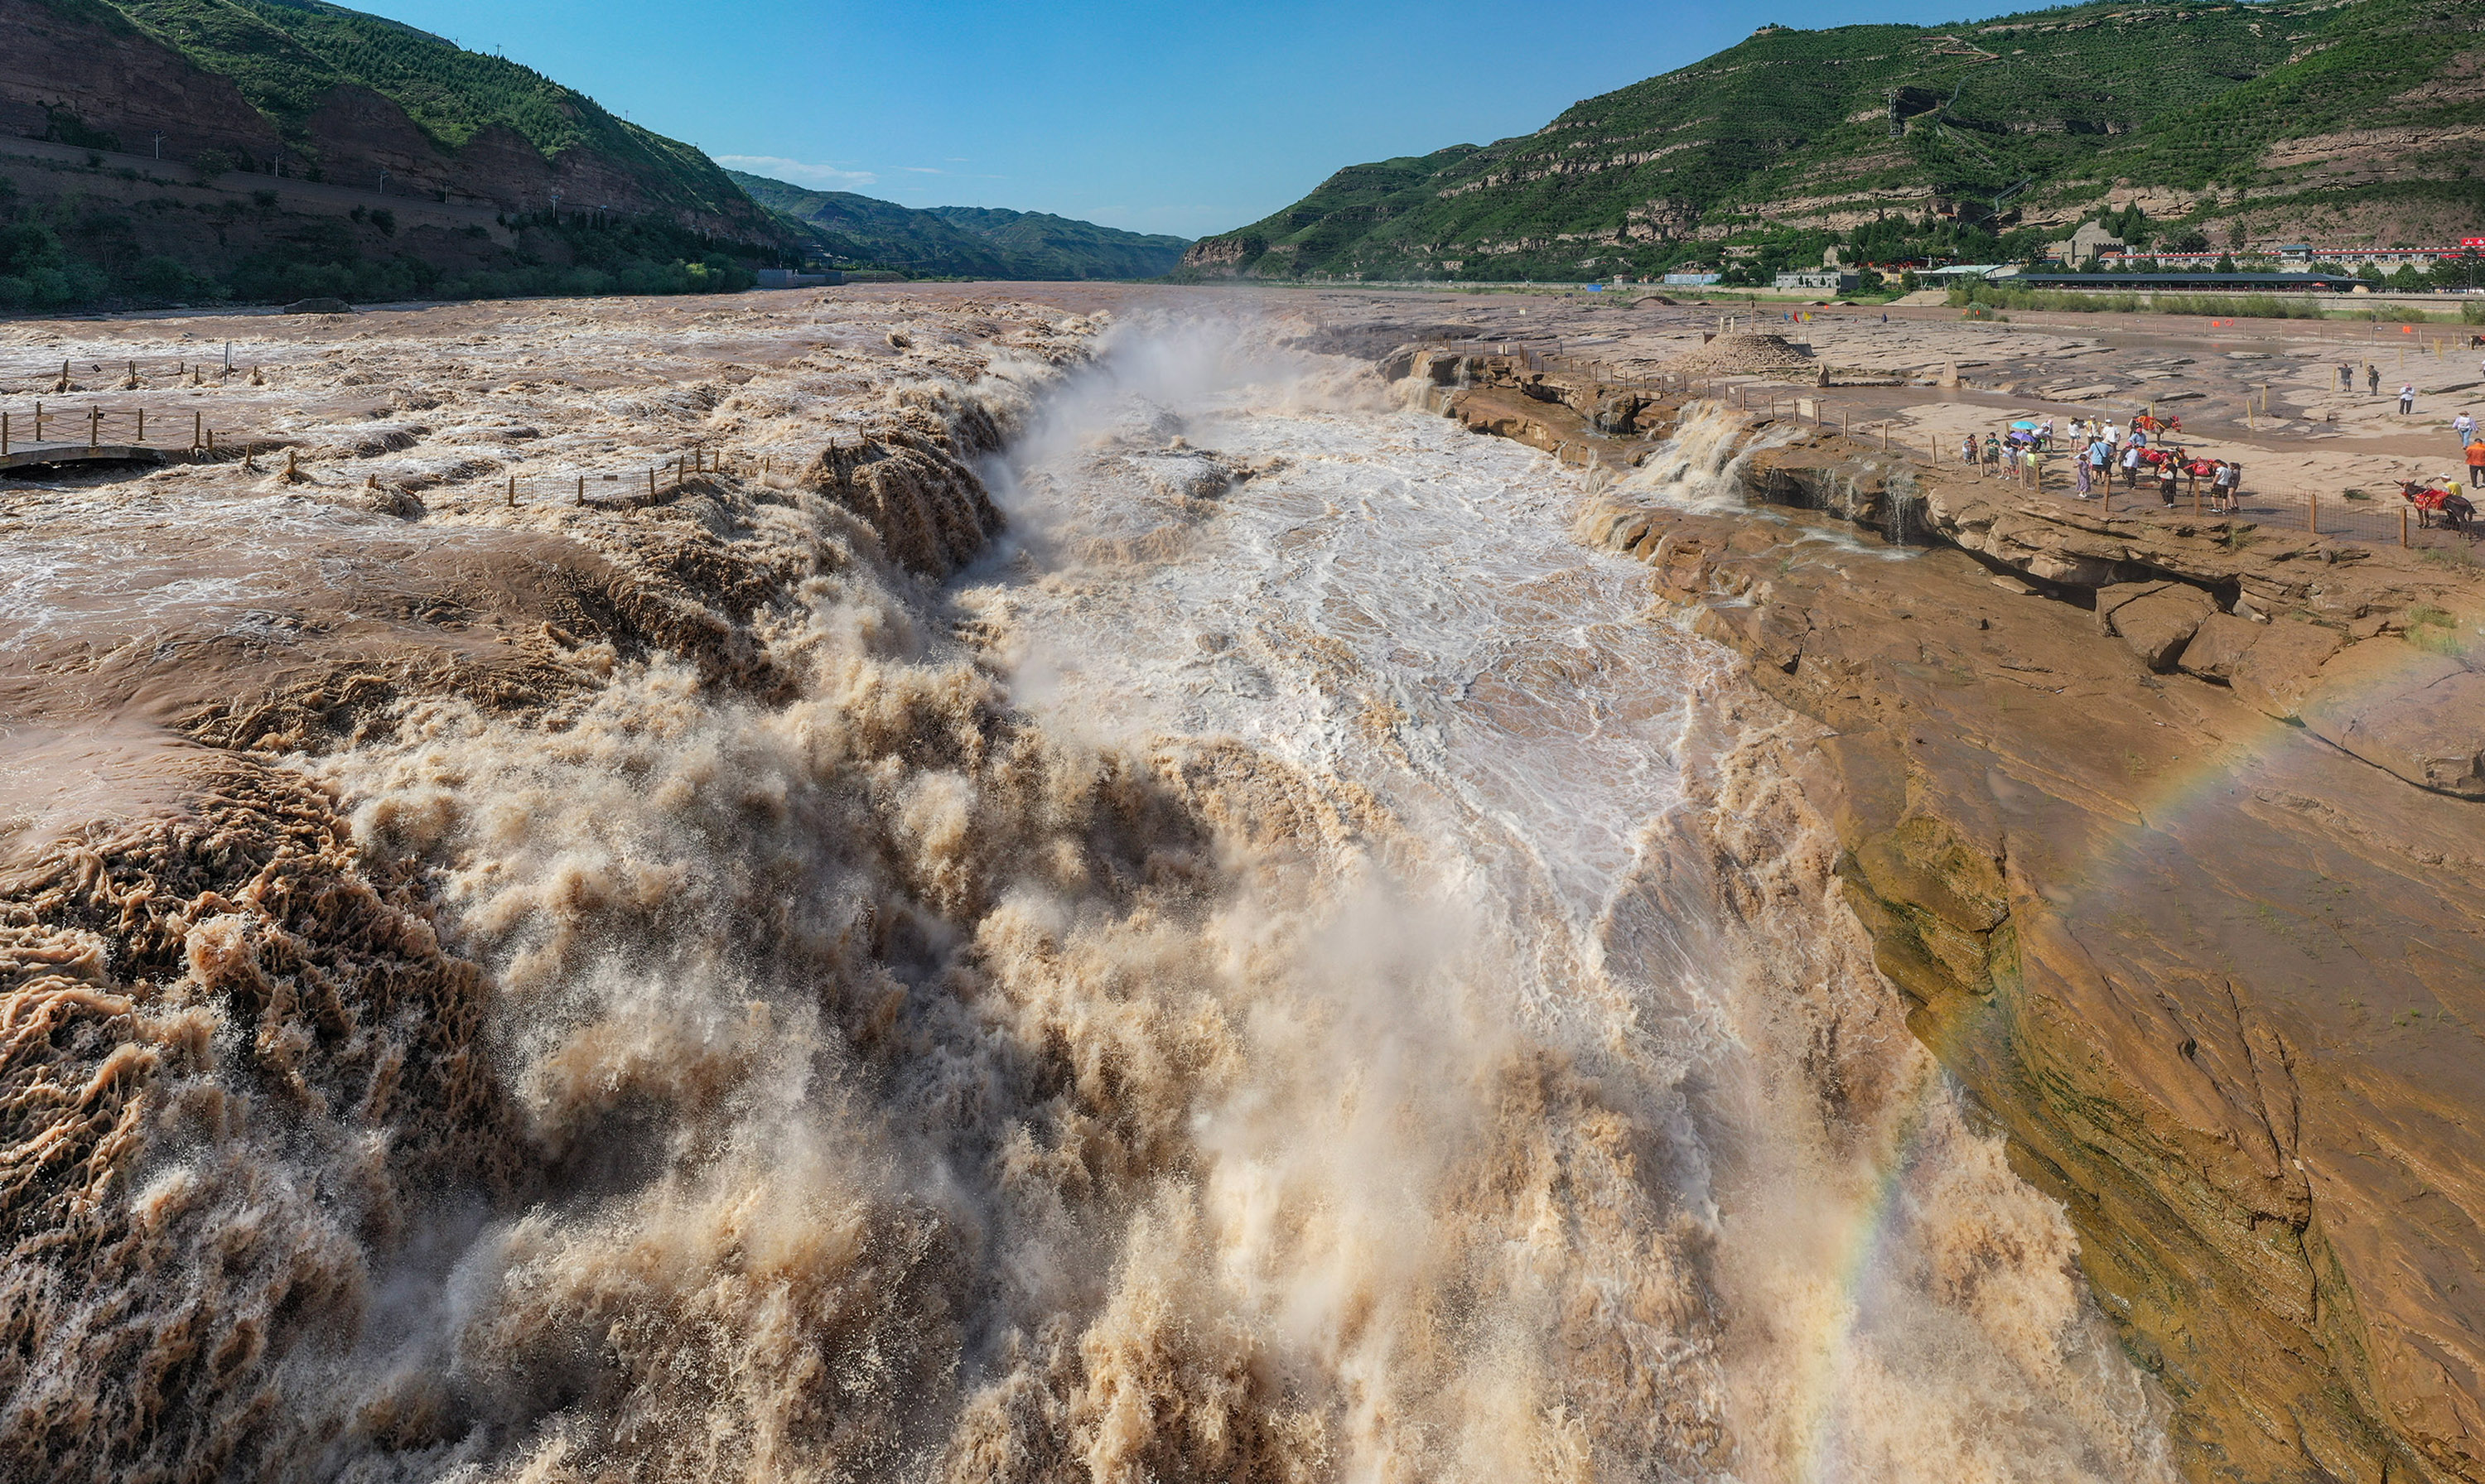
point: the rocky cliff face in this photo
(2169, 831)
(77, 78)
(85, 76)
(1222, 257)
(2218, 975)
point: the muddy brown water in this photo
(1285, 968)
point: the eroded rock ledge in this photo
(2172, 834)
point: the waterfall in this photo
(1279, 969)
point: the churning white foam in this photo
(1320, 984)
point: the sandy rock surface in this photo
(2175, 854)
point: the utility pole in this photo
(383, 183)
(159, 147)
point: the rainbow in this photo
(1874, 1230)
(2165, 805)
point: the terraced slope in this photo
(2362, 119)
(961, 241)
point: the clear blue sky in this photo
(1175, 117)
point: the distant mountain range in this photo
(2331, 121)
(201, 151)
(962, 241)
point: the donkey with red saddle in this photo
(2454, 509)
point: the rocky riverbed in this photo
(471, 885)
(2179, 870)
(2166, 827)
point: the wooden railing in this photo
(92, 429)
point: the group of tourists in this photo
(2100, 449)
(2148, 453)
(2017, 453)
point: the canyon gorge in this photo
(1110, 882)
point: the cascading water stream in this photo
(1902, 497)
(1397, 613)
(1700, 467)
(1286, 971)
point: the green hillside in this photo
(289, 205)
(859, 232)
(2020, 125)
(286, 56)
(1051, 247)
(982, 242)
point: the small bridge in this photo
(49, 437)
(49, 455)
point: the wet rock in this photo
(318, 307)
(2187, 957)
(1547, 426)
(1770, 634)
(1618, 415)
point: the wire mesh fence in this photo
(2376, 517)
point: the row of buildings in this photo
(2093, 242)
(2288, 265)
